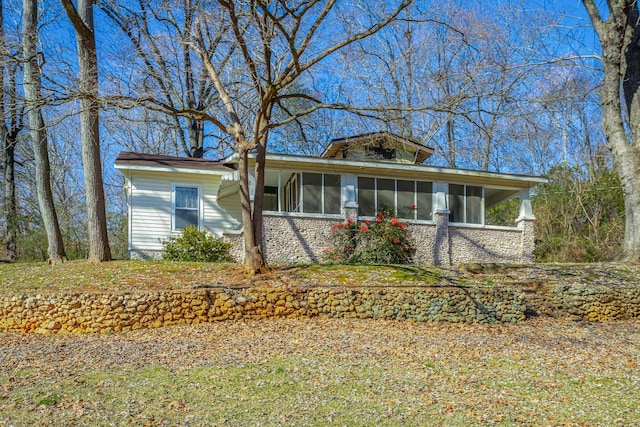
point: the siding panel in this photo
(151, 207)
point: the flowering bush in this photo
(385, 240)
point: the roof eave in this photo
(526, 180)
(158, 168)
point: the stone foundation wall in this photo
(485, 245)
(144, 255)
(80, 313)
(294, 239)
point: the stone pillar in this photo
(525, 223)
(350, 211)
(442, 242)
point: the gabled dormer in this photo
(378, 146)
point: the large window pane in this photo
(425, 200)
(386, 189)
(332, 194)
(406, 200)
(270, 198)
(474, 205)
(186, 197)
(185, 218)
(456, 203)
(312, 192)
(366, 197)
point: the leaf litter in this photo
(327, 371)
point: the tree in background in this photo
(82, 20)
(37, 128)
(618, 29)
(164, 69)
(12, 124)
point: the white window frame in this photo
(415, 195)
(322, 174)
(173, 204)
(464, 205)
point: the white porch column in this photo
(442, 242)
(525, 223)
(349, 196)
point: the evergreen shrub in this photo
(195, 245)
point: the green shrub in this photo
(384, 240)
(195, 245)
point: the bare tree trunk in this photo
(82, 20)
(619, 37)
(254, 261)
(38, 132)
(11, 125)
(11, 209)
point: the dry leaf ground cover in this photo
(320, 371)
(132, 276)
(327, 372)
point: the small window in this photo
(186, 208)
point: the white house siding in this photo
(231, 204)
(151, 208)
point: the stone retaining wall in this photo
(79, 313)
(586, 302)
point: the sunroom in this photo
(295, 187)
(444, 207)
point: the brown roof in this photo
(142, 159)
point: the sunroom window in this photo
(409, 199)
(320, 193)
(465, 204)
(186, 207)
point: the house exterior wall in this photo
(298, 239)
(151, 209)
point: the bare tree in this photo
(161, 33)
(278, 42)
(619, 36)
(12, 125)
(82, 20)
(38, 131)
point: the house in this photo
(304, 196)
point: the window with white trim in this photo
(313, 193)
(186, 207)
(409, 199)
(465, 204)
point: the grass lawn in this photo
(327, 372)
(320, 371)
(132, 276)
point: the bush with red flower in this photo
(385, 240)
